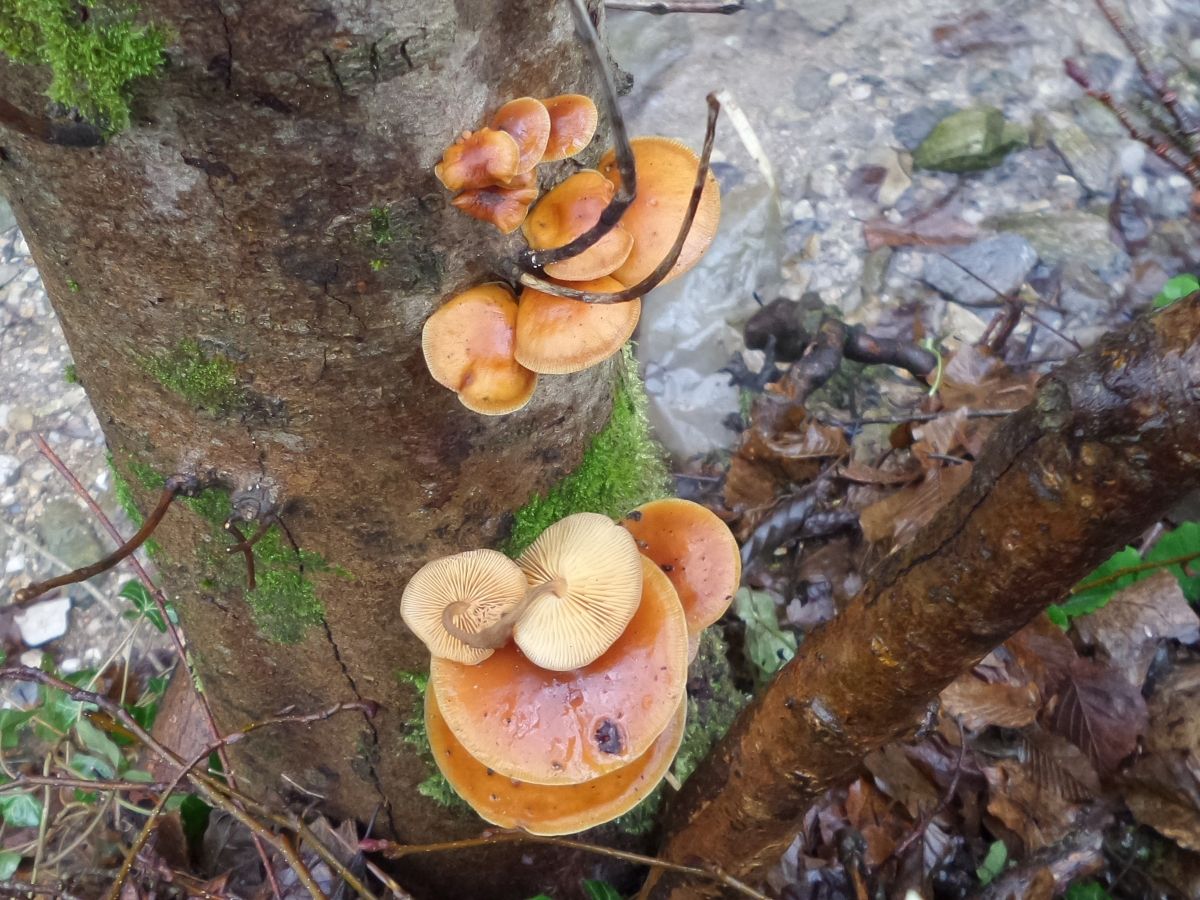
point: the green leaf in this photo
(97, 741)
(993, 863)
(139, 775)
(88, 797)
(88, 766)
(1090, 890)
(600, 890)
(9, 863)
(1176, 289)
(194, 812)
(21, 810)
(1182, 541)
(135, 592)
(12, 723)
(767, 645)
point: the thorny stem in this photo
(662, 7)
(655, 278)
(496, 635)
(175, 485)
(611, 214)
(399, 851)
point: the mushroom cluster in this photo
(489, 346)
(556, 696)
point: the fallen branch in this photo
(1108, 443)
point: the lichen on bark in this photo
(207, 378)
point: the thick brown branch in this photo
(1108, 443)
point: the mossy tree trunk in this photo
(242, 274)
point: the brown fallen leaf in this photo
(1037, 817)
(864, 474)
(939, 226)
(816, 441)
(899, 779)
(980, 704)
(901, 515)
(1099, 711)
(976, 378)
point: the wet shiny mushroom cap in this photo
(666, 174)
(478, 159)
(556, 335)
(547, 727)
(528, 123)
(505, 207)
(549, 809)
(566, 212)
(468, 345)
(596, 572)
(573, 120)
(488, 582)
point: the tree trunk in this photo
(1108, 444)
(242, 276)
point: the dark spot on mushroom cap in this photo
(635, 516)
(667, 567)
(608, 737)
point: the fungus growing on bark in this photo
(592, 576)
(479, 159)
(471, 592)
(566, 212)
(502, 206)
(468, 345)
(529, 124)
(556, 336)
(573, 120)
(552, 727)
(549, 809)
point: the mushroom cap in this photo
(601, 568)
(548, 727)
(488, 580)
(566, 212)
(504, 207)
(573, 120)
(696, 550)
(666, 174)
(468, 345)
(549, 809)
(556, 335)
(478, 159)
(528, 122)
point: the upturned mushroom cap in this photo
(504, 207)
(548, 727)
(468, 345)
(572, 123)
(696, 550)
(597, 565)
(556, 335)
(566, 212)
(479, 159)
(528, 122)
(549, 809)
(666, 174)
(489, 581)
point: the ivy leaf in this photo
(1176, 289)
(993, 863)
(12, 722)
(1090, 890)
(21, 810)
(88, 766)
(767, 645)
(135, 592)
(9, 863)
(97, 741)
(600, 890)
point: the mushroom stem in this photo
(496, 635)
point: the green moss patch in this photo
(123, 494)
(207, 379)
(623, 467)
(415, 734)
(94, 50)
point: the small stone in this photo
(18, 419)
(837, 79)
(914, 126)
(802, 211)
(43, 622)
(860, 91)
(1060, 237)
(823, 182)
(969, 140)
(811, 89)
(10, 469)
(1090, 163)
(66, 531)
(981, 273)
(14, 564)
(824, 17)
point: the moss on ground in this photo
(94, 49)
(622, 467)
(415, 734)
(207, 379)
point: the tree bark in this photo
(239, 212)
(1111, 440)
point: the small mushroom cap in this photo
(566, 212)
(528, 122)
(479, 159)
(549, 809)
(548, 727)
(696, 550)
(556, 335)
(504, 207)
(599, 564)
(666, 174)
(468, 345)
(573, 120)
(489, 581)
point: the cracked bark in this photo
(236, 212)
(1108, 444)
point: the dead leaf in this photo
(980, 704)
(871, 814)
(1036, 816)
(901, 515)
(939, 226)
(1130, 627)
(1057, 765)
(1042, 653)
(864, 474)
(941, 436)
(900, 780)
(976, 378)
(816, 441)
(1098, 711)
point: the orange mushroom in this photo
(697, 552)
(468, 345)
(549, 809)
(565, 213)
(528, 122)
(502, 206)
(666, 175)
(572, 123)
(556, 336)
(548, 727)
(479, 159)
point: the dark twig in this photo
(662, 7)
(655, 278)
(174, 486)
(926, 818)
(399, 851)
(246, 547)
(70, 134)
(627, 191)
(86, 784)
(865, 348)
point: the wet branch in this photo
(662, 7)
